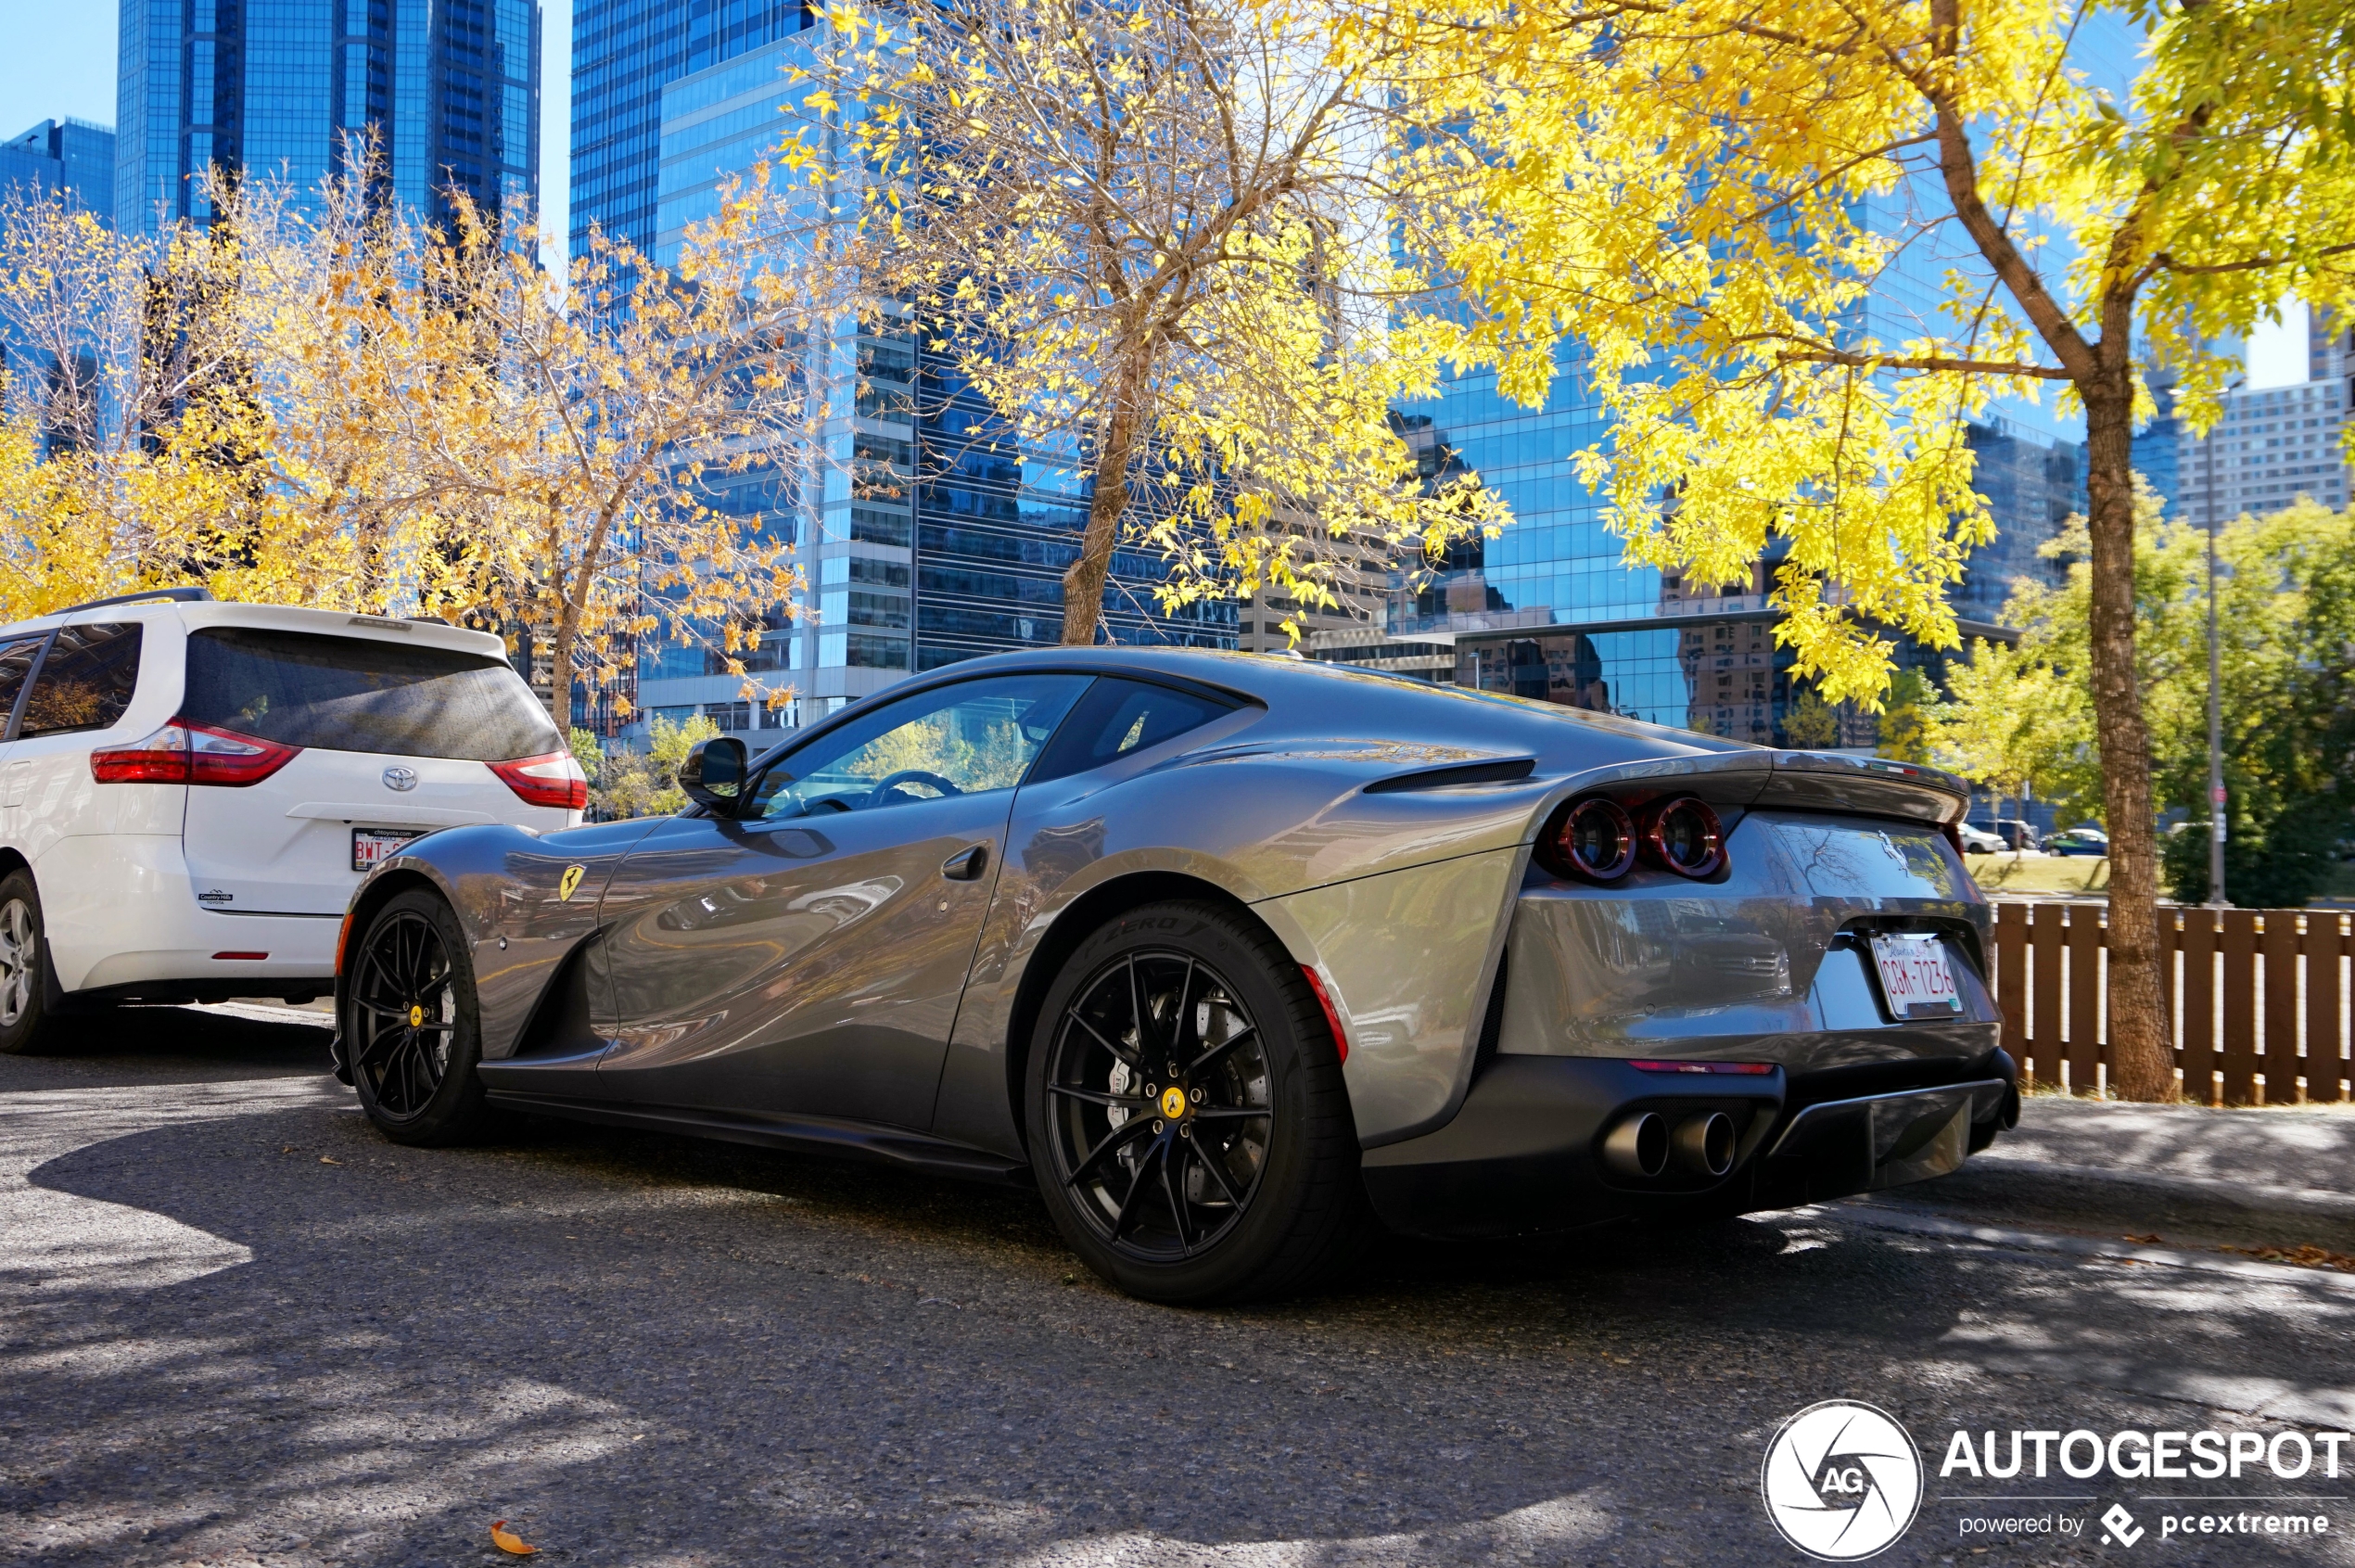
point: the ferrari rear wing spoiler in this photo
(1806, 781)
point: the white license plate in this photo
(1915, 979)
(370, 845)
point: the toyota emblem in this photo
(403, 779)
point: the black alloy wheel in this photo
(409, 1025)
(1188, 1123)
(1161, 1113)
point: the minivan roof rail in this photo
(181, 596)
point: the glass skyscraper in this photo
(925, 532)
(624, 54)
(1550, 610)
(275, 88)
(68, 158)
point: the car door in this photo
(808, 957)
(82, 688)
(17, 657)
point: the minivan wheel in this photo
(412, 1033)
(25, 1020)
(1189, 1126)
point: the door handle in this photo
(966, 865)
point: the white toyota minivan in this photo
(190, 790)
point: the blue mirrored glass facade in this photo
(68, 158)
(448, 89)
(624, 54)
(1528, 611)
(925, 532)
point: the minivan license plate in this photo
(1914, 979)
(370, 845)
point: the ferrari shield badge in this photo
(569, 882)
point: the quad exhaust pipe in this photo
(1642, 1145)
(1638, 1146)
(1705, 1144)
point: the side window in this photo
(86, 682)
(16, 663)
(966, 739)
(1117, 716)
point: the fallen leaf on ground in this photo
(507, 1540)
(2150, 1239)
(329, 1160)
(2302, 1257)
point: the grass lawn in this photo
(2039, 876)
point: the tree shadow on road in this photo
(128, 1046)
(644, 1347)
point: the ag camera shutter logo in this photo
(1842, 1480)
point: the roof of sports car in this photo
(1336, 699)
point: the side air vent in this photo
(1508, 771)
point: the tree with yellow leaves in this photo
(238, 406)
(314, 401)
(577, 425)
(111, 340)
(1153, 236)
(1707, 194)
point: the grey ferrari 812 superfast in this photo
(1241, 960)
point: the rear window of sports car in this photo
(364, 693)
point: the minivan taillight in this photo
(553, 780)
(191, 753)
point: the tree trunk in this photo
(2142, 1051)
(1084, 583)
(567, 629)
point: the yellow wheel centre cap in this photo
(416, 1014)
(1172, 1103)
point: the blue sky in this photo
(59, 61)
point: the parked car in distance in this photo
(190, 791)
(1977, 840)
(1227, 956)
(2016, 834)
(2087, 840)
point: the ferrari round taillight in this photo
(1684, 835)
(1595, 840)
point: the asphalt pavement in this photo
(237, 1327)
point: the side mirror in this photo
(713, 774)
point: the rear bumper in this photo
(1525, 1156)
(123, 923)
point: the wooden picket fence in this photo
(2258, 998)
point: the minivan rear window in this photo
(354, 693)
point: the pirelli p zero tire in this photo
(410, 1031)
(25, 1020)
(1188, 1122)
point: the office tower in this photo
(926, 534)
(624, 54)
(2158, 446)
(2033, 483)
(449, 89)
(1550, 609)
(2274, 445)
(68, 158)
